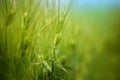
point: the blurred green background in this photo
(97, 26)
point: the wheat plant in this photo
(30, 39)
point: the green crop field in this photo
(51, 40)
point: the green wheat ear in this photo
(57, 40)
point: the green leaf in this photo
(61, 67)
(47, 65)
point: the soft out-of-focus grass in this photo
(44, 40)
(98, 32)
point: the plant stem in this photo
(53, 70)
(42, 76)
(53, 63)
